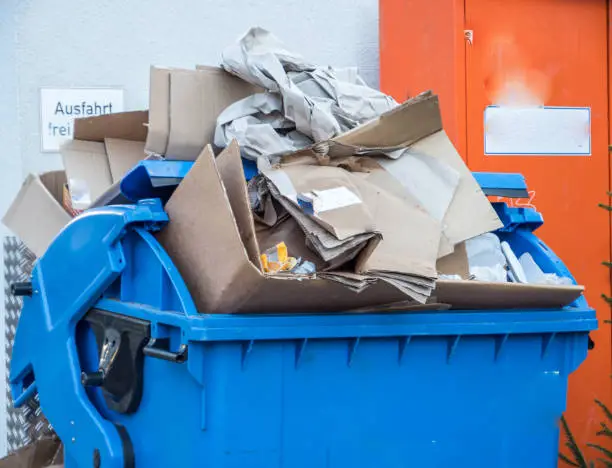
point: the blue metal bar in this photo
(502, 185)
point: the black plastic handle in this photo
(158, 348)
(22, 289)
(93, 379)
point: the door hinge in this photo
(469, 36)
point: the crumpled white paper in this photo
(305, 102)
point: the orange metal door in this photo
(552, 53)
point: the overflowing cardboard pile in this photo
(371, 193)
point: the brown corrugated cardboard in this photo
(87, 171)
(205, 243)
(209, 247)
(159, 110)
(94, 165)
(346, 215)
(485, 295)
(456, 263)
(398, 128)
(417, 126)
(184, 106)
(123, 155)
(121, 125)
(36, 215)
(410, 237)
(196, 100)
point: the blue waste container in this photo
(453, 388)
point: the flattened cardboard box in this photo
(36, 215)
(214, 246)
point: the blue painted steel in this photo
(502, 184)
(158, 179)
(435, 389)
(250, 168)
(154, 179)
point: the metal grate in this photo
(26, 424)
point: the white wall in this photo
(10, 159)
(64, 43)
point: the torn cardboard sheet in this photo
(318, 102)
(409, 192)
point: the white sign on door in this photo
(537, 131)
(59, 107)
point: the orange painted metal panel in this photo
(545, 52)
(411, 59)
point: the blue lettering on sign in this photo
(60, 130)
(83, 109)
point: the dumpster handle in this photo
(158, 348)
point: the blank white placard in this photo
(533, 131)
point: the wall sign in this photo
(60, 106)
(537, 131)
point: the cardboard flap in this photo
(87, 171)
(197, 97)
(123, 125)
(455, 263)
(123, 155)
(486, 295)
(230, 169)
(54, 182)
(410, 122)
(470, 213)
(159, 110)
(203, 240)
(275, 295)
(35, 215)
